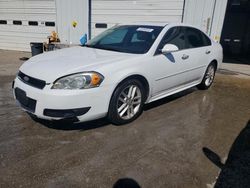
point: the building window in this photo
(50, 24)
(101, 25)
(3, 21)
(34, 23)
(17, 22)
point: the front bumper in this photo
(52, 104)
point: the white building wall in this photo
(18, 37)
(199, 13)
(69, 11)
(218, 19)
(208, 15)
(112, 12)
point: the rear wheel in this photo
(127, 102)
(208, 77)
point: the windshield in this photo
(136, 39)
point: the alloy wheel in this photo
(209, 76)
(129, 102)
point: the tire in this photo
(208, 78)
(127, 102)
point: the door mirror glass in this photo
(168, 48)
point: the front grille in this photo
(26, 102)
(40, 84)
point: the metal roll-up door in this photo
(25, 21)
(106, 13)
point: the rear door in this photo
(199, 49)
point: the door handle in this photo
(208, 52)
(184, 57)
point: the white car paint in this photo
(164, 77)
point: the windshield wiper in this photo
(102, 47)
(111, 49)
(87, 45)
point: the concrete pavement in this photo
(163, 148)
(237, 69)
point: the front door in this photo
(173, 70)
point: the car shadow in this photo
(68, 125)
(235, 172)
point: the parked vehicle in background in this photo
(117, 72)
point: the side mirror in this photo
(168, 48)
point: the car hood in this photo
(52, 65)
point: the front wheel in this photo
(127, 102)
(208, 77)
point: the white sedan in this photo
(117, 72)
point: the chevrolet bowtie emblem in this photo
(26, 78)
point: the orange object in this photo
(95, 79)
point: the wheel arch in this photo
(215, 63)
(139, 77)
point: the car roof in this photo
(161, 24)
(146, 23)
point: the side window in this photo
(194, 38)
(176, 36)
(207, 41)
(115, 37)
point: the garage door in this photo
(25, 21)
(106, 13)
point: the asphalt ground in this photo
(164, 147)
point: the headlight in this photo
(79, 81)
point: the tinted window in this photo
(194, 38)
(139, 37)
(116, 37)
(136, 39)
(174, 36)
(207, 41)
